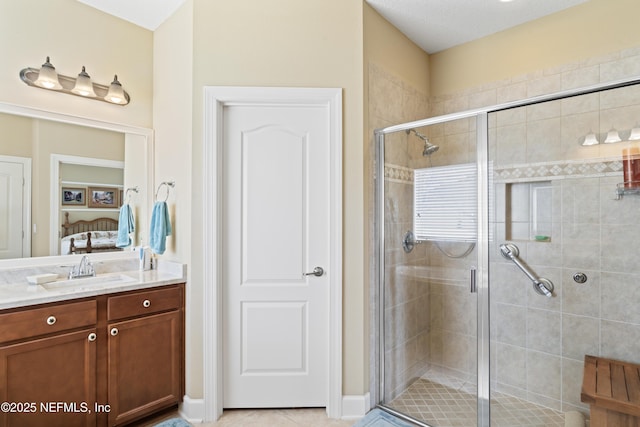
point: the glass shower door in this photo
(429, 309)
(564, 270)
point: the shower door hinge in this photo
(474, 286)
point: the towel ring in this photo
(167, 184)
(127, 196)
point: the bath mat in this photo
(174, 422)
(379, 418)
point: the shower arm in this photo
(540, 284)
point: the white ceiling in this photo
(148, 14)
(434, 25)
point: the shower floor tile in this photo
(447, 402)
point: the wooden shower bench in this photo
(612, 389)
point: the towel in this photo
(174, 422)
(126, 225)
(160, 227)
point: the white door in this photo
(12, 209)
(276, 211)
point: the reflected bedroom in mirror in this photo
(64, 185)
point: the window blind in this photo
(445, 203)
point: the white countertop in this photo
(23, 294)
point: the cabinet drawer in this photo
(143, 303)
(39, 321)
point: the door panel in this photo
(274, 337)
(11, 210)
(42, 374)
(276, 217)
(273, 189)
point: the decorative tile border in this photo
(544, 171)
(399, 174)
(559, 170)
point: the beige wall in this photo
(174, 161)
(388, 47)
(73, 35)
(396, 75)
(595, 28)
(247, 43)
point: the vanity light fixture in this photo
(47, 78)
(635, 134)
(590, 139)
(116, 94)
(612, 136)
(84, 86)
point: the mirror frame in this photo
(145, 133)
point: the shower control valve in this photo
(580, 278)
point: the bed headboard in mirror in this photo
(72, 165)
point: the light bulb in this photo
(47, 77)
(84, 86)
(612, 136)
(590, 139)
(116, 93)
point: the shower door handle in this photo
(540, 284)
(473, 283)
(318, 271)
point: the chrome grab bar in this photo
(540, 284)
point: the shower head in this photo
(429, 148)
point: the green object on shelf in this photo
(542, 238)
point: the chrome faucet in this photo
(84, 269)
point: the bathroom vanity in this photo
(99, 351)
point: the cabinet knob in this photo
(146, 303)
(51, 320)
(92, 337)
(114, 332)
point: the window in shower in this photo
(445, 203)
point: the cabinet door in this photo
(49, 381)
(145, 366)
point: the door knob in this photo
(318, 271)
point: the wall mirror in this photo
(57, 169)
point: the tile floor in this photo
(437, 399)
(262, 418)
(443, 401)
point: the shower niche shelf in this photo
(528, 211)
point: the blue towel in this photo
(126, 225)
(160, 227)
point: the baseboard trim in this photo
(355, 407)
(192, 409)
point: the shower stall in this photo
(507, 251)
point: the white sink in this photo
(87, 282)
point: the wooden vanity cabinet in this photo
(124, 352)
(48, 358)
(146, 347)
